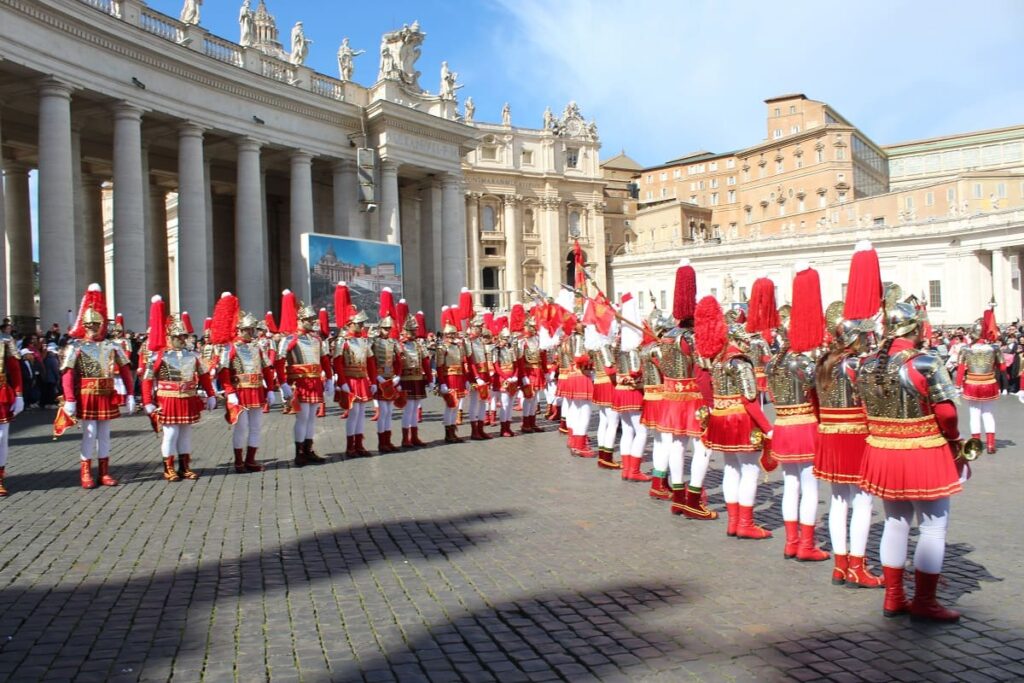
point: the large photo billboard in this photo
(366, 266)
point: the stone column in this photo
(453, 238)
(430, 251)
(412, 246)
(1000, 273)
(56, 208)
(301, 219)
(193, 293)
(250, 230)
(160, 282)
(551, 245)
(130, 296)
(3, 229)
(473, 236)
(18, 218)
(596, 226)
(390, 227)
(79, 208)
(93, 262)
(347, 219)
(513, 250)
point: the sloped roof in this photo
(621, 161)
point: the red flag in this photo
(600, 314)
(579, 266)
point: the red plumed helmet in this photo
(762, 314)
(864, 284)
(989, 329)
(289, 313)
(157, 340)
(709, 329)
(325, 322)
(94, 300)
(225, 319)
(387, 304)
(186, 322)
(206, 325)
(342, 305)
(806, 320)
(465, 304)
(421, 325)
(401, 313)
(119, 319)
(684, 297)
(268, 319)
(489, 322)
(517, 318)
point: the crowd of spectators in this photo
(947, 342)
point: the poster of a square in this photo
(367, 266)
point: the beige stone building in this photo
(620, 206)
(950, 229)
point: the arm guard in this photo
(743, 372)
(940, 386)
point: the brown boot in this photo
(169, 472)
(808, 551)
(350, 446)
(693, 505)
(858, 576)
(300, 454)
(506, 429)
(746, 527)
(104, 474)
(184, 467)
(414, 437)
(250, 460)
(87, 481)
(392, 448)
(406, 437)
(606, 459)
(484, 436)
(239, 462)
(382, 443)
(895, 603)
(311, 455)
(659, 488)
(3, 489)
(533, 425)
(925, 607)
(360, 448)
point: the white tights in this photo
(981, 415)
(95, 437)
(530, 406)
(477, 408)
(634, 435)
(356, 419)
(933, 518)
(385, 410)
(845, 497)
(305, 421)
(410, 413)
(178, 439)
(579, 412)
(449, 416)
(505, 408)
(607, 426)
(4, 431)
(739, 478)
(247, 428)
(676, 448)
(799, 493)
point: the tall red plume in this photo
(500, 323)
(864, 284)
(186, 322)
(989, 329)
(289, 313)
(806, 320)
(157, 340)
(94, 299)
(225, 319)
(387, 304)
(421, 325)
(684, 297)
(465, 311)
(762, 316)
(119, 319)
(449, 316)
(489, 322)
(325, 323)
(709, 329)
(206, 324)
(517, 318)
(342, 305)
(401, 314)
(268, 319)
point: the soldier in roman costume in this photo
(91, 364)
(416, 376)
(910, 460)
(507, 365)
(628, 398)
(174, 374)
(387, 356)
(356, 369)
(534, 371)
(450, 360)
(478, 360)
(305, 367)
(578, 390)
(603, 351)
(976, 377)
(11, 401)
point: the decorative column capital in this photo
(51, 86)
(388, 166)
(301, 157)
(450, 180)
(247, 144)
(127, 111)
(188, 129)
(343, 165)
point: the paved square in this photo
(502, 561)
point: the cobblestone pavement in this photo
(505, 561)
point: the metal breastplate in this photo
(628, 362)
(209, 356)
(450, 355)
(841, 391)
(790, 378)
(98, 359)
(505, 358)
(531, 352)
(603, 357)
(674, 363)
(734, 375)
(649, 371)
(889, 393)
(248, 358)
(306, 350)
(564, 356)
(412, 354)
(477, 350)
(384, 353)
(980, 359)
(178, 366)
(355, 351)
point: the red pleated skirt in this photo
(251, 397)
(981, 388)
(679, 417)
(650, 410)
(729, 427)
(627, 399)
(578, 387)
(98, 407)
(908, 459)
(841, 439)
(308, 389)
(604, 393)
(177, 410)
(415, 389)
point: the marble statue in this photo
(399, 51)
(245, 24)
(728, 289)
(506, 116)
(346, 64)
(549, 119)
(448, 82)
(300, 45)
(470, 110)
(190, 12)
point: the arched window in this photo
(488, 219)
(574, 224)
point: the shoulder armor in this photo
(742, 370)
(70, 356)
(940, 385)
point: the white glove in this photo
(373, 388)
(444, 388)
(1020, 395)
(150, 408)
(211, 402)
(396, 379)
(398, 386)
(130, 405)
(19, 405)
(380, 379)
(768, 434)
(480, 382)
(286, 391)
(329, 387)
(345, 388)
(526, 381)
(232, 399)
(70, 407)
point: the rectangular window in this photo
(821, 201)
(714, 183)
(935, 293)
(819, 155)
(840, 153)
(879, 221)
(777, 133)
(700, 184)
(929, 199)
(746, 178)
(664, 192)
(714, 199)
(801, 206)
(792, 109)
(650, 178)
(794, 129)
(1001, 190)
(908, 203)
(677, 173)
(731, 180)
(730, 163)
(778, 111)
(951, 193)
(572, 157)
(528, 157)
(842, 197)
(780, 166)
(977, 191)
(732, 196)
(799, 162)
(489, 153)
(713, 166)
(664, 176)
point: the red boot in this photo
(583, 447)
(484, 436)
(562, 427)
(105, 478)
(350, 446)
(631, 469)
(414, 437)
(239, 463)
(3, 490)
(606, 459)
(990, 443)
(406, 437)
(506, 429)
(746, 527)
(87, 481)
(171, 474)
(792, 539)
(533, 425)
(382, 443)
(691, 503)
(808, 551)
(387, 442)
(250, 460)
(925, 607)
(659, 489)
(525, 427)
(895, 603)
(841, 567)
(185, 467)
(361, 451)
(571, 443)
(732, 512)
(858, 576)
